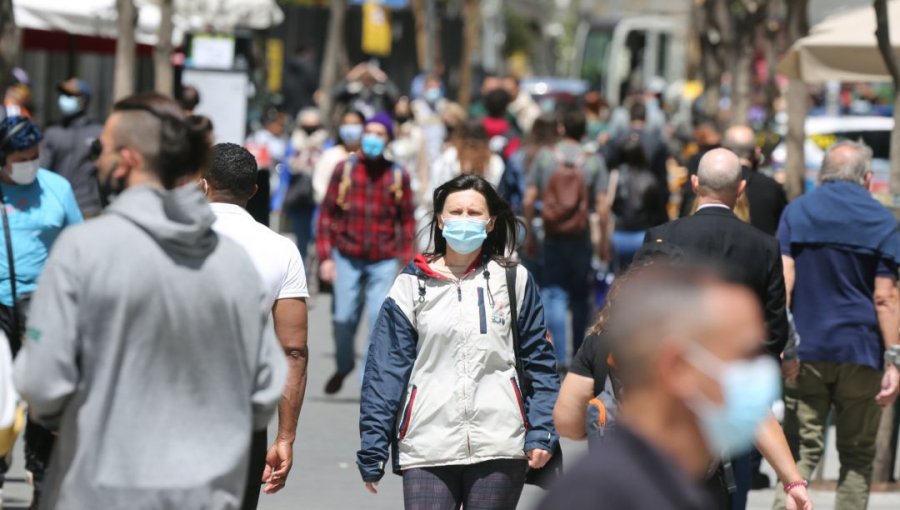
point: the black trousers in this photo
(258, 450)
(38, 440)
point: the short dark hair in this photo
(638, 111)
(500, 241)
(496, 102)
(155, 126)
(232, 172)
(574, 124)
(190, 97)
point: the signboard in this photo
(210, 51)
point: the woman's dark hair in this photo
(182, 145)
(472, 149)
(544, 133)
(633, 154)
(500, 241)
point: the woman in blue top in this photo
(37, 205)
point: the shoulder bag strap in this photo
(514, 318)
(7, 234)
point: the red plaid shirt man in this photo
(367, 214)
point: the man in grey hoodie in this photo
(146, 347)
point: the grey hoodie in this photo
(147, 349)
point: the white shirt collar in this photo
(709, 206)
(220, 208)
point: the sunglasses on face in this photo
(96, 149)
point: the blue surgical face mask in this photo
(69, 105)
(433, 95)
(373, 146)
(350, 133)
(749, 387)
(464, 235)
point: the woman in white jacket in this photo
(441, 388)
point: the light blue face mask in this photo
(69, 105)
(464, 235)
(350, 133)
(749, 387)
(373, 146)
(433, 95)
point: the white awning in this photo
(98, 18)
(843, 47)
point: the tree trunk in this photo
(471, 36)
(123, 82)
(9, 42)
(883, 36)
(795, 164)
(334, 60)
(741, 75)
(420, 16)
(163, 74)
(883, 465)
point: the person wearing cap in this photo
(366, 225)
(66, 149)
(38, 205)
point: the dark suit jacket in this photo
(767, 200)
(744, 254)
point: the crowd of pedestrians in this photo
(480, 244)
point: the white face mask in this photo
(24, 172)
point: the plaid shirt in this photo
(373, 226)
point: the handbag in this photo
(299, 194)
(551, 471)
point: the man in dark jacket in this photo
(715, 234)
(766, 197)
(66, 149)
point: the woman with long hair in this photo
(441, 384)
(468, 153)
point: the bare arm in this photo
(291, 328)
(603, 225)
(790, 276)
(570, 411)
(774, 448)
(887, 307)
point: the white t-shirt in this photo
(276, 258)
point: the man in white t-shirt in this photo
(229, 183)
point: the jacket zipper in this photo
(482, 316)
(515, 385)
(407, 414)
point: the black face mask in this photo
(309, 130)
(402, 119)
(109, 188)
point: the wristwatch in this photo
(892, 356)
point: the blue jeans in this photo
(625, 246)
(357, 281)
(566, 287)
(302, 227)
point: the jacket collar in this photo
(716, 211)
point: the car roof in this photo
(841, 124)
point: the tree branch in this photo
(883, 36)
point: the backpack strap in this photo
(397, 186)
(346, 180)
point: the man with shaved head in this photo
(841, 252)
(766, 197)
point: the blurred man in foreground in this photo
(687, 348)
